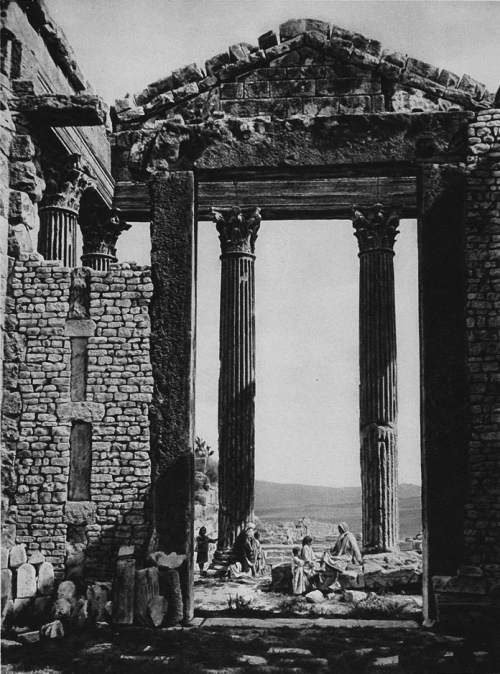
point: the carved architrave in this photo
(238, 228)
(376, 227)
(64, 188)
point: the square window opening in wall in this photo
(80, 464)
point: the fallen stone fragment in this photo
(79, 615)
(354, 595)
(277, 650)
(124, 591)
(8, 644)
(97, 596)
(171, 561)
(254, 660)
(126, 551)
(29, 637)
(390, 661)
(36, 557)
(146, 588)
(25, 581)
(45, 580)
(363, 651)
(53, 630)
(5, 558)
(17, 556)
(6, 585)
(62, 609)
(67, 591)
(157, 609)
(315, 597)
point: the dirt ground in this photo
(263, 632)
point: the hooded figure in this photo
(344, 552)
(245, 549)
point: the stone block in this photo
(124, 591)
(80, 327)
(471, 86)
(146, 589)
(340, 86)
(23, 176)
(186, 75)
(29, 637)
(22, 210)
(354, 105)
(268, 40)
(216, 63)
(354, 595)
(5, 558)
(157, 610)
(21, 148)
(470, 571)
(36, 558)
(422, 69)
(170, 588)
(295, 27)
(97, 597)
(22, 608)
(43, 608)
(62, 610)
(6, 586)
(80, 512)
(53, 630)
(351, 579)
(239, 52)
(315, 597)
(171, 561)
(448, 79)
(79, 614)
(126, 551)
(285, 88)
(82, 411)
(45, 580)
(67, 591)
(25, 581)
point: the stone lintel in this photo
(81, 411)
(84, 327)
(62, 110)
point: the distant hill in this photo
(289, 502)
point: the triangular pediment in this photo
(312, 68)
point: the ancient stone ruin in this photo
(98, 437)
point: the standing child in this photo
(202, 544)
(298, 577)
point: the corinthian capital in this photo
(101, 228)
(376, 227)
(64, 188)
(237, 228)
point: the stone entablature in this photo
(316, 69)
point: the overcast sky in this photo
(306, 273)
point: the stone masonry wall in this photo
(482, 535)
(48, 306)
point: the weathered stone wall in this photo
(49, 306)
(482, 534)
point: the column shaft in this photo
(376, 233)
(236, 396)
(57, 234)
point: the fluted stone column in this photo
(58, 210)
(237, 232)
(100, 230)
(376, 231)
